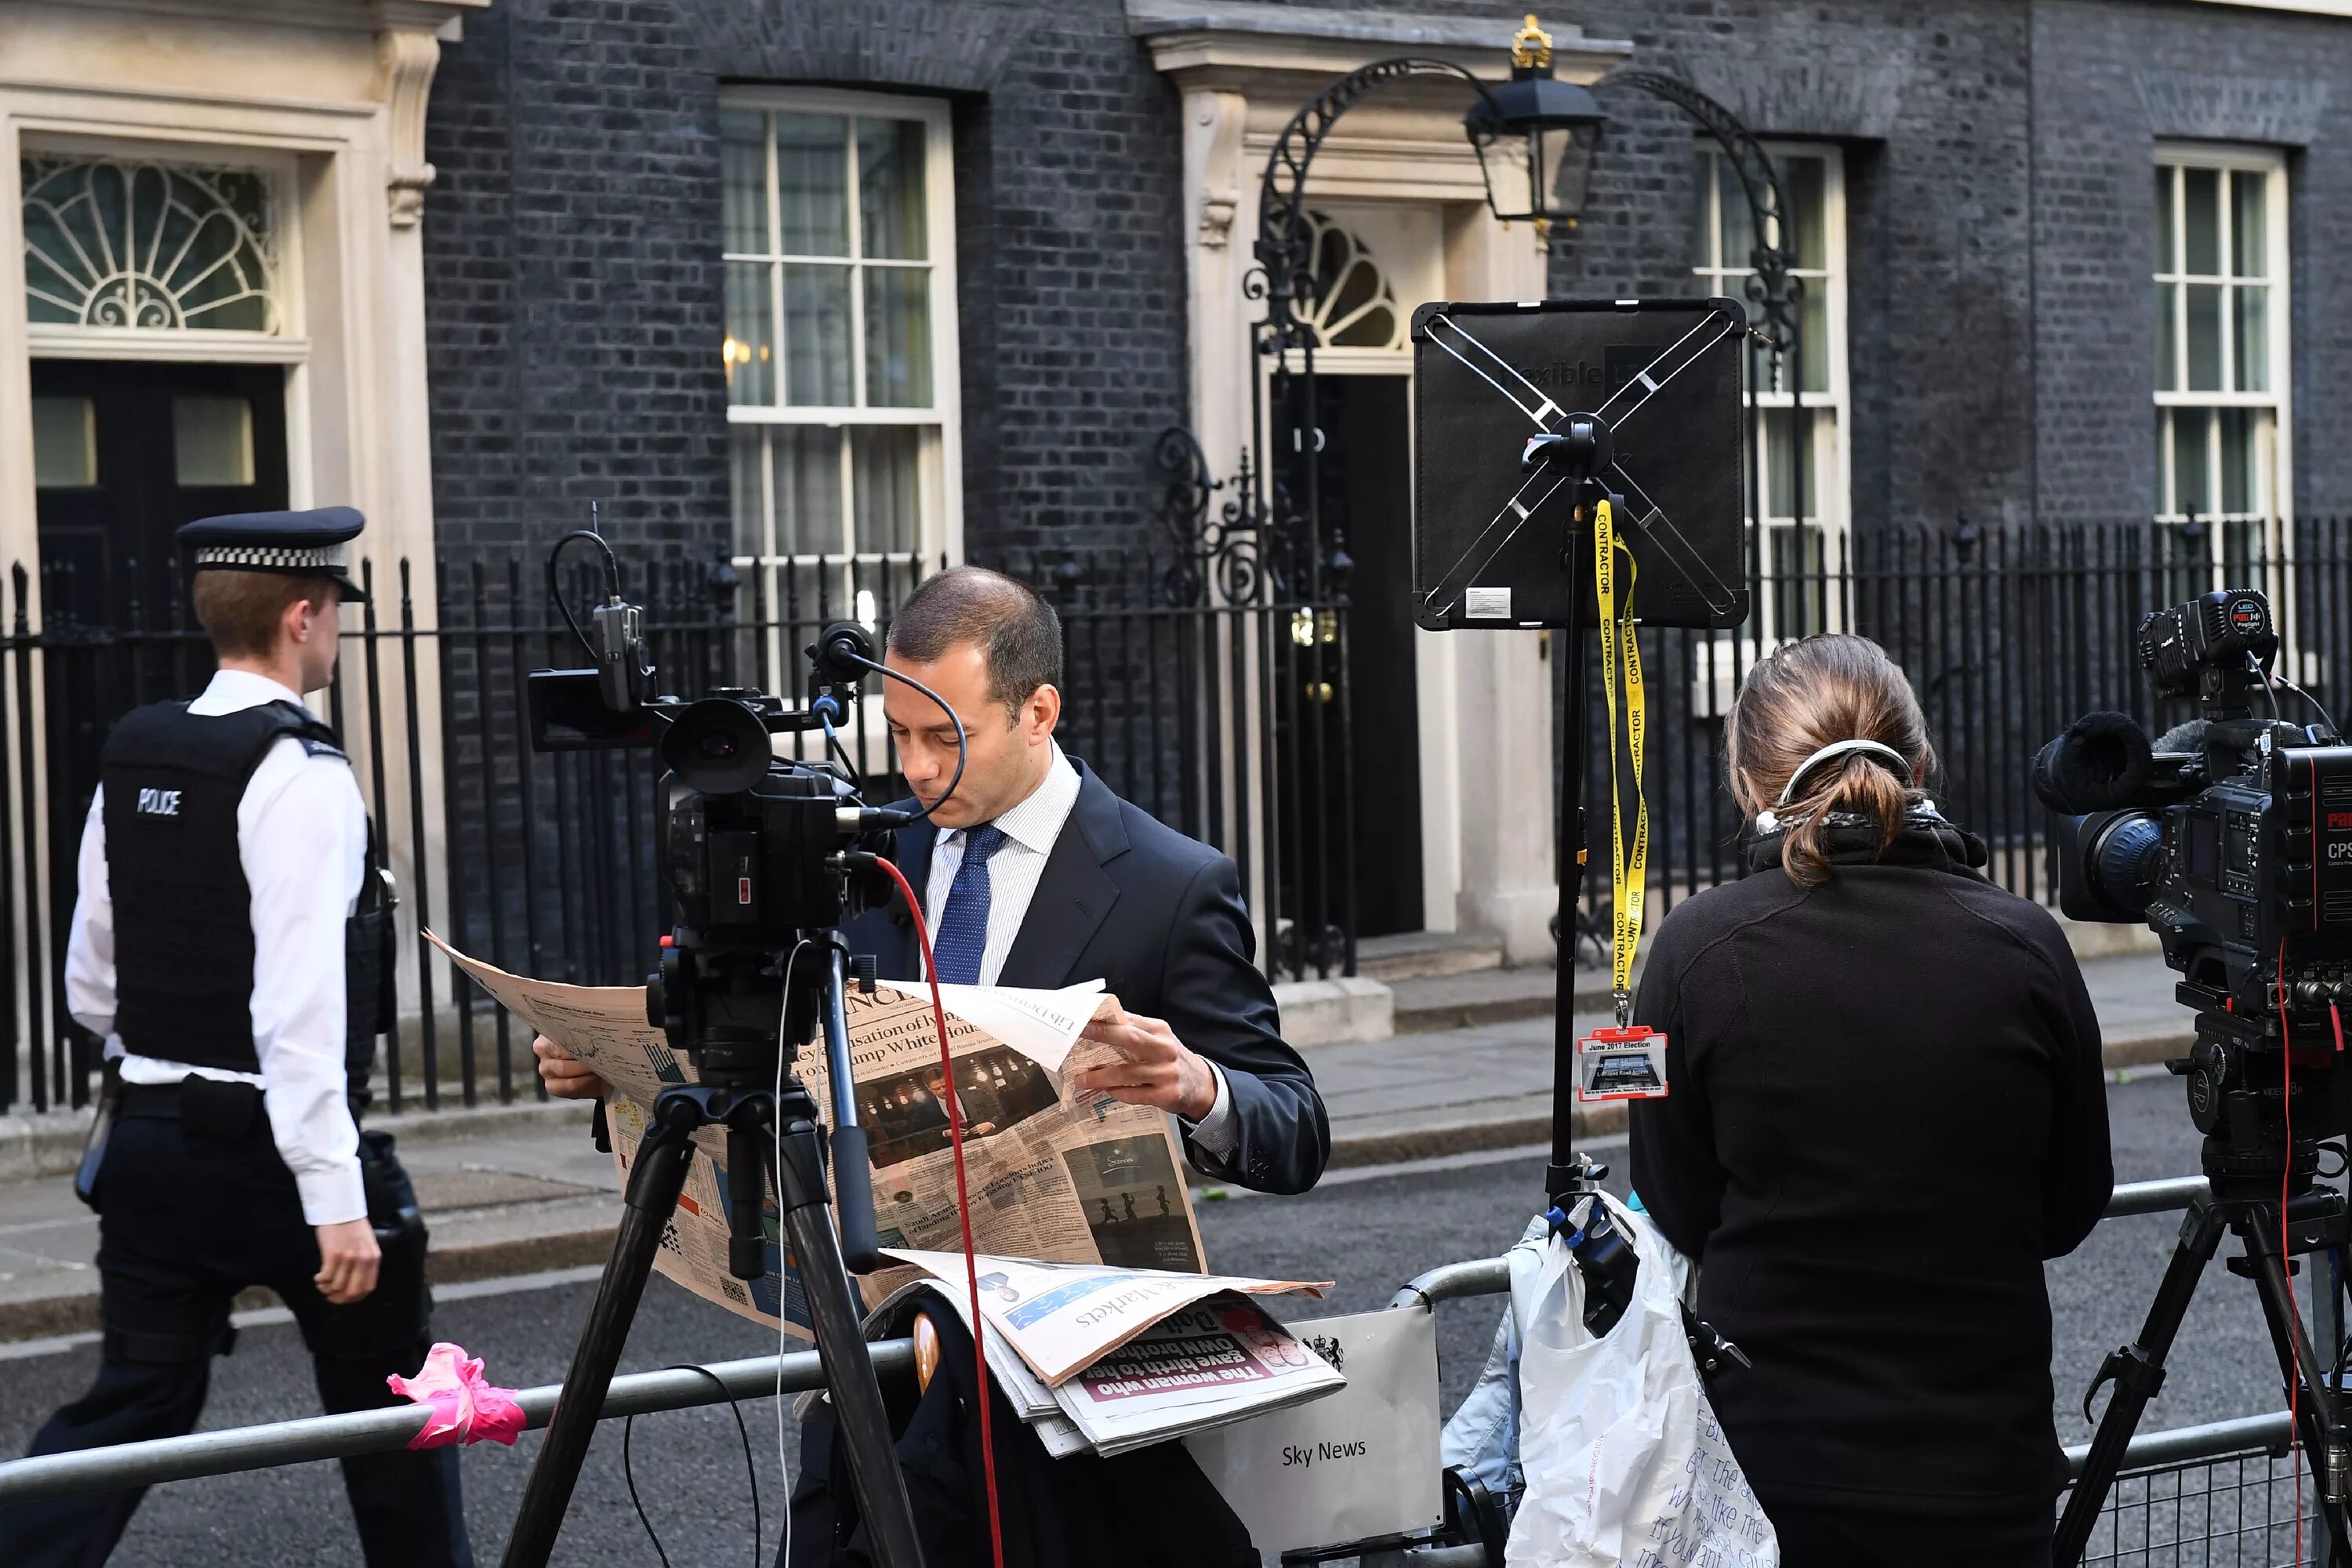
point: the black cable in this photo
(555, 586)
(955, 723)
(2316, 706)
(758, 1530)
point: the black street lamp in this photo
(1272, 535)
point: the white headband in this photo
(1844, 748)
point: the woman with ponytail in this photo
(1885, 1110)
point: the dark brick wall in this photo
(1998, 212)
(2110, 80)
(571, 287)
(573, 284)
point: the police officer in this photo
(226, 941)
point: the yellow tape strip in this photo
(1628, 874)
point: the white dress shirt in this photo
(301, 832)
(1031, 830)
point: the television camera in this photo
(764, 857)
(2231, 836)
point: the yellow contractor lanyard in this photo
(1628, 875)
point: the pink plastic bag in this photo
(465, 1409)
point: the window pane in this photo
(1703, 218)
(2191, 490)
(808, 488)
(2237, 459)
(743, 173)
(890, 189)
(897, 337)
(157, 246)
(748, 486)
(749, 348)
(1813, 331)
(2253, 337)
(1804, 181)
(1781, 463)
(2163, 502)
(812, 183)
(212, 441)
(65, 442)
(2164, 256)
(886, 461)
(2250, 230)
(817, 337)
(2168, 338)
(2201, 200)
(2204, 337)
(1731, 204)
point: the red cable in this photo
(2294, 1318)
(964, 1211)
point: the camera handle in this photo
(793, 1162)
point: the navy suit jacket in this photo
(1159, 918)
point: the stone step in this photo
(1415, 955)
(1489, 997)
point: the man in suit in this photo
(1033, 873)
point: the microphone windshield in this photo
(2101, 762)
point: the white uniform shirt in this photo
(302, 833)
(1031, 830)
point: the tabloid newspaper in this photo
(1213, 1357)
(1053, 1174)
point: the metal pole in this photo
(382, 1431)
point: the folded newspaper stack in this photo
(1112, 1359)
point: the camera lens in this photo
(2127, 865)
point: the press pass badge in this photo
(1620, 1064)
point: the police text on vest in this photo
(159, 803)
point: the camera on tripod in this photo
(764, 857)
(2232, 837)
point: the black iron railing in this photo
(2007, 635)
(545, 864)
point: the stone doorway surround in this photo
(1242, 71)
(325, 100)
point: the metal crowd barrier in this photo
(2190, 1491)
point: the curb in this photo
(44, 1317)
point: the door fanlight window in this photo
(148, 247)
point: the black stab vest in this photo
(183, 912)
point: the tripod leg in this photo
(651, 1201)
(874, 1471)
(2138, 1371)
(2316, 1406)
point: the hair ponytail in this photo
(1814, 693)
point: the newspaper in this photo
(1218, 1359)
(1063, 1317)
(1052, 1173)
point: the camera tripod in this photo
(2246, 1204)
(773, 1143)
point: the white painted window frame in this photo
(940, 470)
(2273, 473)
(1830, 455)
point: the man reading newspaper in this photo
(1033, 874)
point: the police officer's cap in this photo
(296, 543)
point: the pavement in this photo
(520, 1190)
(1367, 1228)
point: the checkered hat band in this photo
(274, 557)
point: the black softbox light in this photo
(1490, 540)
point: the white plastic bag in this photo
(1624, 1462)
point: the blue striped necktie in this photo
(963, 937)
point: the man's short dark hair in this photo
(1019, 636)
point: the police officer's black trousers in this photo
(191, 1213)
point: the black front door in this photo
(1364, 476)
(125, 453)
